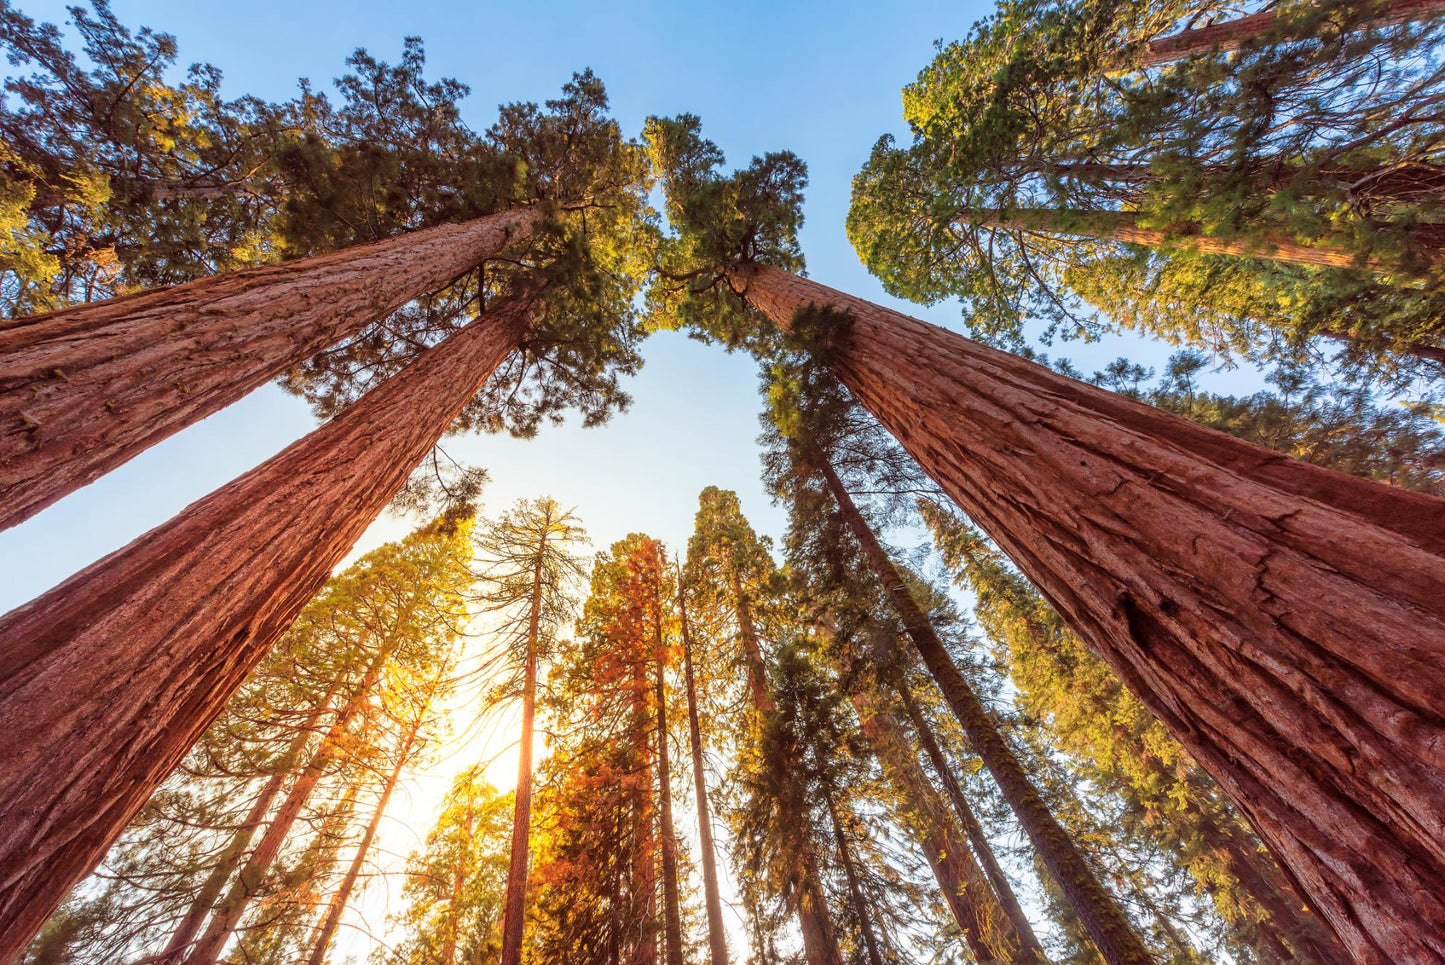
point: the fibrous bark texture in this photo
(108, 679)
(83, 390)
(1285, 622)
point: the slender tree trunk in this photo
(230, 859)
(1285, 622)
(644, 854)
(229, 912)
(1030, 949)
(672, 905)
(752, 652)
(820, 944)
(850, 872)
(85, 389)
(108, 679)
(339, 900)
(716, 936)
(1123, 226)
(986, 926)
(459, 881)
(1100, 914)
(1231, 34)
(515, 906)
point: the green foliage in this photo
(720, 223)
(456, 884)
(1044, 108)
(108, 159)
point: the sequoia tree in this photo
(1282, 620)
(83, 390)
(135, 655)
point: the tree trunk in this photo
(515, 904)
(1285, 622)
(850, 872)
(820, 945)
(716, 936)
(1123, 226)
(85, 389)
(229, 912)
(1231, 34)
(1100, 914)
(459, 881)
(976, 906)
(230, 859)
(339, 900)
(644, 853)
(1285, 915)
(1030, 949)
(108, 679)
(752, 652)
(671, 901)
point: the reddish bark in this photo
(716, 937)
(1231, 34)
(85, 389)
(515, 903)
(1031, 950)
(810, 903)
(108, 679)
(986, 926)
(752, 652)
(1098, 912)
(1285, 622)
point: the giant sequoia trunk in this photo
(85, 389)
(1100, 914)
(716, 936)
(1231, 34)
(515, 905)
(1008, 901)
(108, 679)
(987, 927)
(810, 903)
(1123, 226)
(752, 651)
(1285, 622)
